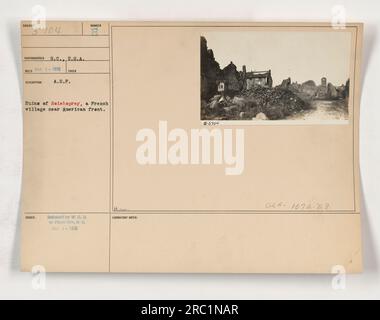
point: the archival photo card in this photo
(123, 168)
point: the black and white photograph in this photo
(255, 76)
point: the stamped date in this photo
(298, 206)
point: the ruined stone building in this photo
(322, 89)
(235, 81)
(210, 71)
(232, 80)
(254, 79)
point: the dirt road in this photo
(323, 110)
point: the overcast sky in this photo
(300, 55)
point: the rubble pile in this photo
(259, 103)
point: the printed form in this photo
(191, 147)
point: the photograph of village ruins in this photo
(261, 76)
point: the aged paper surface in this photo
(191, 147)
